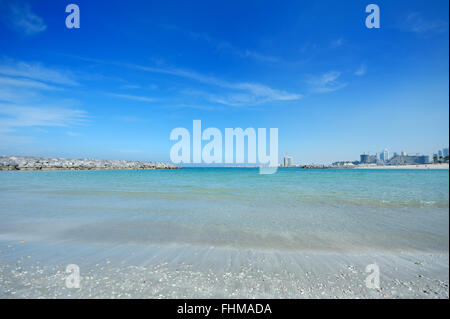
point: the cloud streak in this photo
(416, 23)
(36, 71)
(24, 83)
(327, 82)
(337, 43)
(132, 97)
(222, 45)
(20, 16)
(361, 70)
(250, 92)
(254, 93)
(15, 116)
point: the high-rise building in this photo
(445, 151)
(368, 159)
(288, 161)
(440, 154)
(384, 155)
(403, 153)
(409, 159)
(364, 159)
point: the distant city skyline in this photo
(397, 158)
(116, 87)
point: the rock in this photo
(36, 163)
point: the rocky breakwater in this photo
(11, 163)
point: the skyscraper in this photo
(445, 151)
(384, 155)
(288, 161)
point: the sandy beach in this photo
(416, 166)
(183, 272)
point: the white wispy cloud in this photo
(254, 93)
(131, 86)
(191, 106)
(27, 99)
(36, 71)
(16, 94)
(16, 116)
(327, 82)
(361, 70)
(257, 56)
(415, 22)
(265, 91)
(132, 97)
(73, 134)
(257, 94)
(248, 92)
(24, 83)
(222, 45)
(337, 43)
(20, 16)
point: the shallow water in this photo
(292, 210)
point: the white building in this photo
(384, 155)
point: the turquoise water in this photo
(292, 210)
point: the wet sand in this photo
(37, 270)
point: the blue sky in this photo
(135, 70)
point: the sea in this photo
(294, 209)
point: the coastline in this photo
(413, 166)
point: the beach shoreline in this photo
(412, 166)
